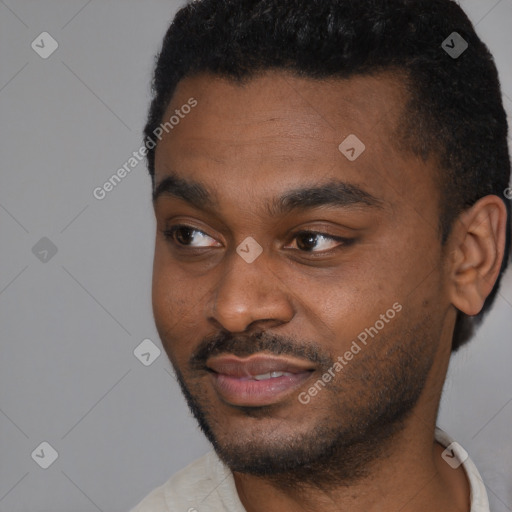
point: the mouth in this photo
(257, 380)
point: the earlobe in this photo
(477, 249)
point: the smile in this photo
(258, 380)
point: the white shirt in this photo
(207, 485)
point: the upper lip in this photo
(233, 366)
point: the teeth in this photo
(263, 376)
(271, 375)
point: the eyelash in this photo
(169, 235)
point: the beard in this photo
(335, 438)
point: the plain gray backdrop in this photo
(71, 320)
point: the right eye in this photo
(188, 236)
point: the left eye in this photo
(310, 241)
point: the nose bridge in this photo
(249, 291)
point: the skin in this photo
(249, 143)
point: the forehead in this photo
(279, 103)
(276, 129)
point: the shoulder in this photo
(186, 491)
(179, 489)
(478, 493)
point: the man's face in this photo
(348, 246)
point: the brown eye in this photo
(306, 241)
(187, 236)
(314, 242)
(184, 235)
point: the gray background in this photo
(69, 325)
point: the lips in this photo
(257, 380)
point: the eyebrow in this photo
(189, 191)
(333, 193)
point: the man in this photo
(328, 184)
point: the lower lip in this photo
(254, 393)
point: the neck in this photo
(411, 477)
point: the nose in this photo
(249, 294)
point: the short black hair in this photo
(454, 113)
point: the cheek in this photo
(170, 297)
(160, 291)
(354, 300)
(172, 315)
(178, 306)
(174, 300)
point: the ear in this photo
(477, 246)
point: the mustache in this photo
(247, 345)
